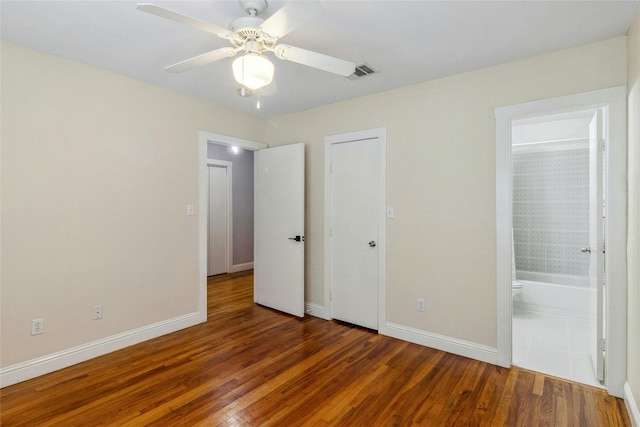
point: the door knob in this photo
(297, 238)
(585, 250)
(372, 243)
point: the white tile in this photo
(549, 360)
(522, 329)
(551, 332)
(552, 344)
(582, 371)
(579, 336)
(519, 357)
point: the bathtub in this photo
(553, 298)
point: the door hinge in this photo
(602, 344)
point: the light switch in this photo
(389, 212)
(190, 210)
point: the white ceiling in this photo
(408, 41)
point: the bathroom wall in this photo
(551, 211)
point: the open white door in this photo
(596, 242)
(279, 228)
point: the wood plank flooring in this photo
(251, 366)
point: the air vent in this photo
(363, 70)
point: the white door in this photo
(596, 241)
(217, 239)
(354, 232)
(279, 228)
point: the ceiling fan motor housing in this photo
(253, 7)
(247, 26)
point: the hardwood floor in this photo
(251, 366)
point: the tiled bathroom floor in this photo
(555, 345)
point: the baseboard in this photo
(316, 310)
(43, 365)
(468, 349)
(241, 267)
(632, 407)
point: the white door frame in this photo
(597, 239)
(613, 100)
(204, 138)
(379, 134)
(229, 190)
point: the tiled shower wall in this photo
(551, 211)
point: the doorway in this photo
(238, 163)
(205, 140)
(557, 228)
(355, 227)
(220, 240)
(279, 163)
(612, 103)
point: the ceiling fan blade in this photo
(291, 16)
(315, 60)
(183, 19)
(205, 58)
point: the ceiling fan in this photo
(254, 36)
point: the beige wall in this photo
(633, 243)
(97, 170)
(441, 180)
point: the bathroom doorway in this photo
(557, 216)
(612, 102)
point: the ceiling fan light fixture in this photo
(253, 70)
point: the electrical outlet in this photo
(420, 304)
(37, 326)
(97, 312)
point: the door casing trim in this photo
(204, 137)
(380, 135)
